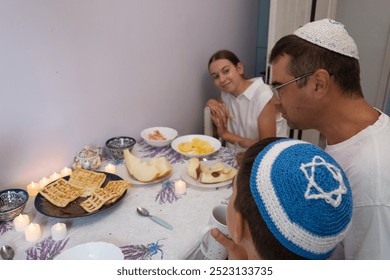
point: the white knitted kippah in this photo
(330, 35)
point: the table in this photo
(138, 237)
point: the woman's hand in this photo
(235, 252)
(219, 112)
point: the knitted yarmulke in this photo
(329, 34)
(303, 196)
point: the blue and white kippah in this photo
(303, 196)
(329, 34)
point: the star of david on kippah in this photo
(314, 190)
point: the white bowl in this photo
(92, 251)
(215, 143)
(167, 132)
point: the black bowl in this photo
(116, 145)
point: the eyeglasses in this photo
(275, 89)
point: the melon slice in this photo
(163, 166)
(146, 171)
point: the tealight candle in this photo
(180, 187)
(110, 168)
(20, 222)
(33, 189)
(43, 182)
(32, 232)
(66, 171)
(58, 231)
(54, 176)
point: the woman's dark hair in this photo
(267, 246)
(307, 57)
(224, 54)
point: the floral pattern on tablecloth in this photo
(143, 252)
(148, 151)
(167, 193)
(5, 226)
(47, 249)
(224, 154)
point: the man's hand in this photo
(235, 252)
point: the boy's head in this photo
(294, 199)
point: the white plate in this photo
(215, 143)
(134, 181)
(196, 183)
(92, 251)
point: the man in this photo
(316, 82)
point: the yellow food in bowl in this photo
(196, 146)
(185, 147)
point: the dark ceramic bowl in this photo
(12, 203)
(116, 145)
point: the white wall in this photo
(285, 17)
(78, 72)
(368, 22)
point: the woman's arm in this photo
(266, 123)
(235, 139)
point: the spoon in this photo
(144, 212)
(6, 252)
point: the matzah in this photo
(98, 198)
(61, 192)
(88, 180)
(117, 188)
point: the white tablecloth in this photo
(138, 237)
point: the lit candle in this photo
(180, 187)
(58, 231)
(43, 182)
(32, 232)
(66, 171)
(54, 176)
(20, 222)
(110, 168)
(33, 189)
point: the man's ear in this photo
(321, 82)
(239, 227)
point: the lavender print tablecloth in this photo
(138, 237)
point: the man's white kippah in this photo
(330, 35)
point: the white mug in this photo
(210, 247)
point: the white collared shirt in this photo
(246, 108)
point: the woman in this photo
(245, 113)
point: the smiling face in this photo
(226, 76)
